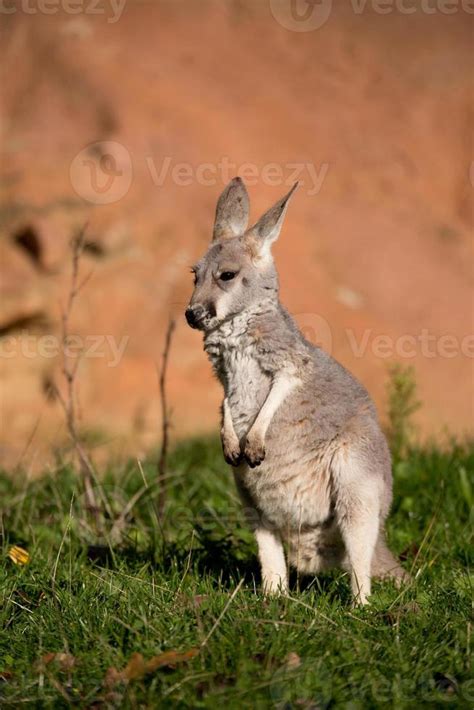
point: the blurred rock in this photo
(23, 297)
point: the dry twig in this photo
(69, 371)
(165, 418)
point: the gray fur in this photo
(311, 463)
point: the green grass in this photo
(170, 583)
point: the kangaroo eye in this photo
(227, 275)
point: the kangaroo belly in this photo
(292, 488)
(316, 550)
(293, 495)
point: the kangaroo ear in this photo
(232, 211)
(268, 227)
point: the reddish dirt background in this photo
(380, 103)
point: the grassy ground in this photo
(73, 616)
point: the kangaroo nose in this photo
(194, 314)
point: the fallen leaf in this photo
(65, 660)
(170, 659)
(112, 677)
(18, 555)
(6, 676)
(48, 657)
(137, 667)
(292, 660)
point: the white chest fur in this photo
(246, 386)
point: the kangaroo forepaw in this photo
(254, 451)
(232, 453)
(233, 458)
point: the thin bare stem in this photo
(69, 371)
(165, 418)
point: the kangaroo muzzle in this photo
(194, 314)
(198, 316)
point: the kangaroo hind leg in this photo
(357, 502)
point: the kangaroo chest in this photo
(246, 385)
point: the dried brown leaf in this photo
(65, 660)
(170, 659)
(137, 667)
(112, 677)
(292, 660)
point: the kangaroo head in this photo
(237, 272)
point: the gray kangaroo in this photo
(311, 463)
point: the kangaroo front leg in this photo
(254, 450)
(272, 561)
(230, 440)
